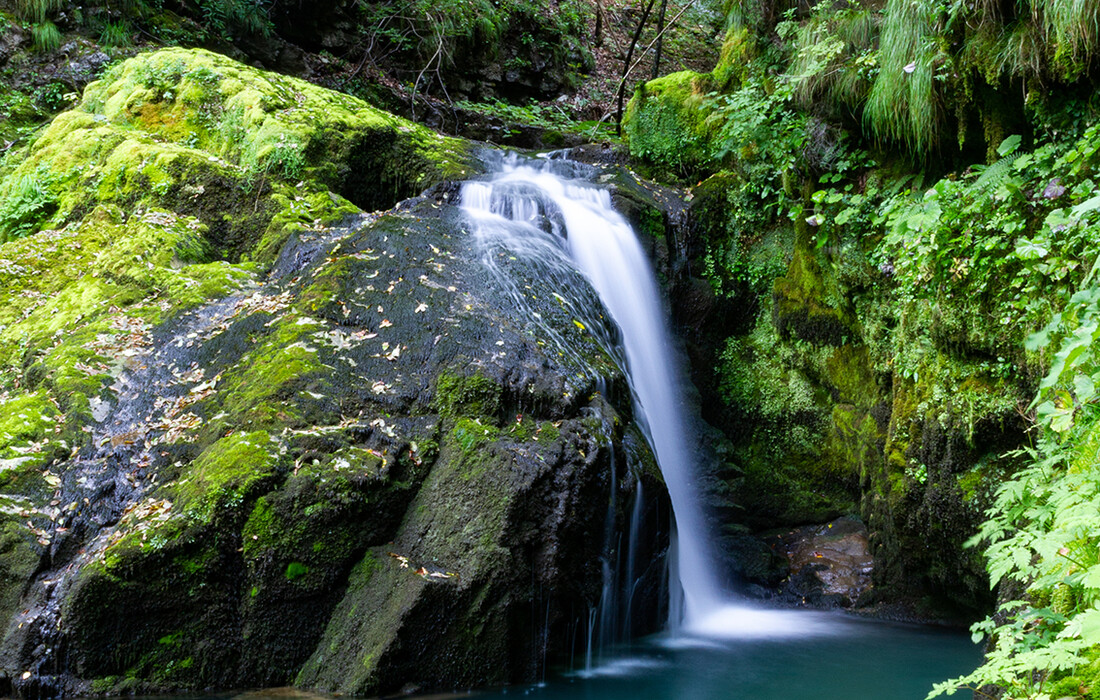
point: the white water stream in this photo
(543, 211)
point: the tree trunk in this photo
(600, 12)
(660, 39)
(626, 68)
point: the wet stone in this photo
(830, 564)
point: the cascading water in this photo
(545, 211)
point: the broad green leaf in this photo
(1084, 387)
(1030, 249)
(1086, 207)
(1009, 145)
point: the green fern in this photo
(993, 176)
(25, 206)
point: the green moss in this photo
(299, 208)
(665, 124)
(746, 249)
(368, 586)
(472, 395)
(258, 533)
(295, 570)
(251, 154)
(790, 494)
(852, 444)
(470, 435)
(800, 307)
(19, 116)
(268, 124)
(548, 431)
(76, 303)
(226, 472)
(19, 560)
(738, 52)
(26, 418)
(527, 429)
(971, 482)
(849, 369)
(1082, 682)
(762, 374)
(255, 392)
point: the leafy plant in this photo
(1042, 535)
(762, 135)
(24, 207)
(116, 34)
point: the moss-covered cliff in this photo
(895, 216)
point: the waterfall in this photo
(544, 210)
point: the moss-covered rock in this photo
(208, 456)
(840, 400)
(238, 148)
(665, 123)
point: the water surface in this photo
(804, 655)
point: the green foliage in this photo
(912, 69)
(26, 204)
(37, 11)
(116, 34)
(237, 17)
(746, 247)
(903, 104)
(1006, 243)
(549, 117)
(434, 34)
(46, 36)
(758, 130)
(834, 57)
(53, 96)
(1042, 536)
(668, 124)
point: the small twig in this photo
(420, 76)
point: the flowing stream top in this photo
(544, 209)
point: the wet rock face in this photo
(360, 468)
(830, 565)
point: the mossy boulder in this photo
(802, 306)
(222, 416)
(665, 124)
(240, 149)
(838, 399)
